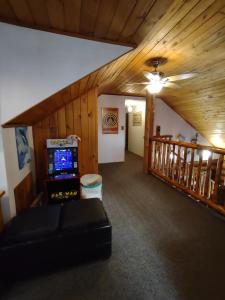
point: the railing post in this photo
(159, 156)
(172, 163)
(149, 121)
(207, 177)
(183, 166)
(191, 168)
(198, 172)
(217, 178)
(163, 157)
(167, 160)
(178, 163)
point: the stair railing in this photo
(198, 170)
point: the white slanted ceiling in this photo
(36, 64)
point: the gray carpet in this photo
(165, 246)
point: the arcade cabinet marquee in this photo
(63, 181)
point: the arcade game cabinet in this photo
(63, 181)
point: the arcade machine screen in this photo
(63, 160)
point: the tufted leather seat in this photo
(32, 224)
(48, 237)
(83, 214)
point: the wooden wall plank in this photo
(62, 122)
(24, 194)
(6, 11)
(56, 13)
(105, 15)
(77, 117)
(83, 85)
(72, 15)
(53, 128)
(154, 16)
(74, 89)
(77, 124)
(69, 119)
(123, 11)
(136, 18)
(89, 11)
(39, 12)
(93, 130)
(22, 11)
(84, 133)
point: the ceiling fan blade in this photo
(145, 83)
(181, 76)
(171, 85)
(148, 75)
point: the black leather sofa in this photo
(53, 236)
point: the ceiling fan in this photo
(157, 80)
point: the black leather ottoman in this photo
(50, 237)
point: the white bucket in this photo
(91, 186)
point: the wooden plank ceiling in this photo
(106, 20)
(190, 34)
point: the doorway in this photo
(135, 126)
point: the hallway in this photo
(165, 246)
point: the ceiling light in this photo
(218, 141)
(155, 86)
(129, 109)
(206, 154)
(156, 83)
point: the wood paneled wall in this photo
(77, 117)
(24, 193)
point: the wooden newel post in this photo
(149, 121)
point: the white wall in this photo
(3, 179)
(111, 147)
(3, 182)
(14, 174)
(136, 133)
(35, 64)
(171, 123)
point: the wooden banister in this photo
(181, 164)
(191, 145)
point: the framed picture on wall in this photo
(137, 119)
(22, 145)
(110, 118)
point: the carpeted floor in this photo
(165, 246)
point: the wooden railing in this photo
(185, 166)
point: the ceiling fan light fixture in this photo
(155, 85)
